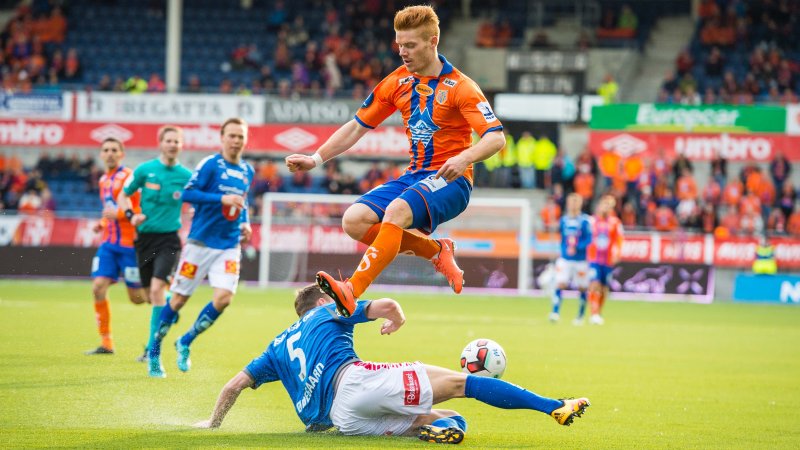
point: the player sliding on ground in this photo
(331, 387)
(440, 107)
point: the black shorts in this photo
(157, 254)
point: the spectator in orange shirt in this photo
(750, 201)
(753, 179)
(665, 219)
(487, 35)
(686, 186)
(766, 196)
(609, 166)
(662, 166)
(732, 193)
(551, 212)
(584, 184)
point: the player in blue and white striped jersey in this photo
(218, 190)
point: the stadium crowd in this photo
(743, 52)
(660, 193)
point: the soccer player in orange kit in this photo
(603, 254)
(115, 254)
(440, 108)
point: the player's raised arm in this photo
(491, 143)
(227, 398)
(339, 142)
(390, 310)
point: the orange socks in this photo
(411, 243)
(379, 255)
(103, 316)
(594, 302)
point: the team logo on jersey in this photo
(188, 270)
(231, 213)
(423, 127)
(449, 82)
(232, 267)
(423, 89)
(176, 195)
(406, 80)
(441, 97)
(487, 112)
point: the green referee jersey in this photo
(161, 187)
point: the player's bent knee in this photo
(357, 220)
(399, 213)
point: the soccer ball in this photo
(484, 358)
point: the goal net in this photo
(302, 234)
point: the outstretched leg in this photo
(448, 384)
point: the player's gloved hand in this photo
(453, 168)
(300, 162)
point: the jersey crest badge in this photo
(441, 97)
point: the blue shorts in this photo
(600, 273)
(432, 201)
(112, 259)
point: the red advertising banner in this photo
(740, 252)
(689, 249)
(384, 141)
(697, 146)
(637, 248)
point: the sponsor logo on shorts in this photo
(411, 383)
(232, 267)
(188, 270)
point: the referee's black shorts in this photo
(157, 254)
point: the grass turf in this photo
(660, 375)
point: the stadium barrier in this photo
(767, 288)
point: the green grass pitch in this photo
(659, 375)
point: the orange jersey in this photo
(439, 113)
(607, 236)
(119, 231)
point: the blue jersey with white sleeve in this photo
(214, 224)
(576, 234)
(306, 358)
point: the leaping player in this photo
(440, 107)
